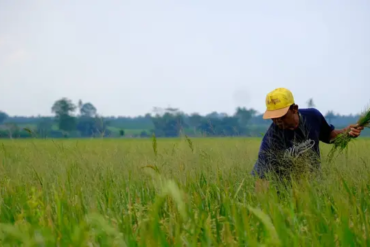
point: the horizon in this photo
(152, 113)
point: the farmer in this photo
(294, 133)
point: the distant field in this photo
(174, 192)
(128, 132)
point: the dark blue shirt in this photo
(278, 146)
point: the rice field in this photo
(175, 192)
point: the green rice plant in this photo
(96, 193)
(154, 144)
(341, 142)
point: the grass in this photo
(174, 192)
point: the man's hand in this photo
(354, 130)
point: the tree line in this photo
(82, 120)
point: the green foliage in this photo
(92, 126)
(121, 132)
(226, 126)
(131, 123)
(144, 134)
(215, 124)
(3, 116)
(154, 145)
(44, 127)
(244, 115)
(190, 143)
(86, 126)
(67, 123)
(195, 120)
(168, 124)
(188, 192)
(364, 119)
(88, 110)
(63, 110)
(63, 106)
(14, 132)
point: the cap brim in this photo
(275, 113)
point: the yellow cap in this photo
(278, 102)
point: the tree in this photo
(3, 116)
(63, 106)
(144, 134)
(92, 126)
(44, 127)
(89, 123)
(213, 114)
(101, 125)
(88, 110)
(310, 103)
(168, 125)
(122, 132)
(194, 120)
(330, 115)
(86, 126)
(63, 110)
(227, 126)
(80, 105)
(12, 129)
(244, 115)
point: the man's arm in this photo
(335, 133)
(353, 130)
(261, 167)
(328, 133)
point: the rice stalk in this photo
(341, 142)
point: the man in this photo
(293, 136)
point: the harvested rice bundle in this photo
(341, 142)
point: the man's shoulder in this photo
(311, 114)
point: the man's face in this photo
(289, 121)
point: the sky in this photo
(127, 57)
